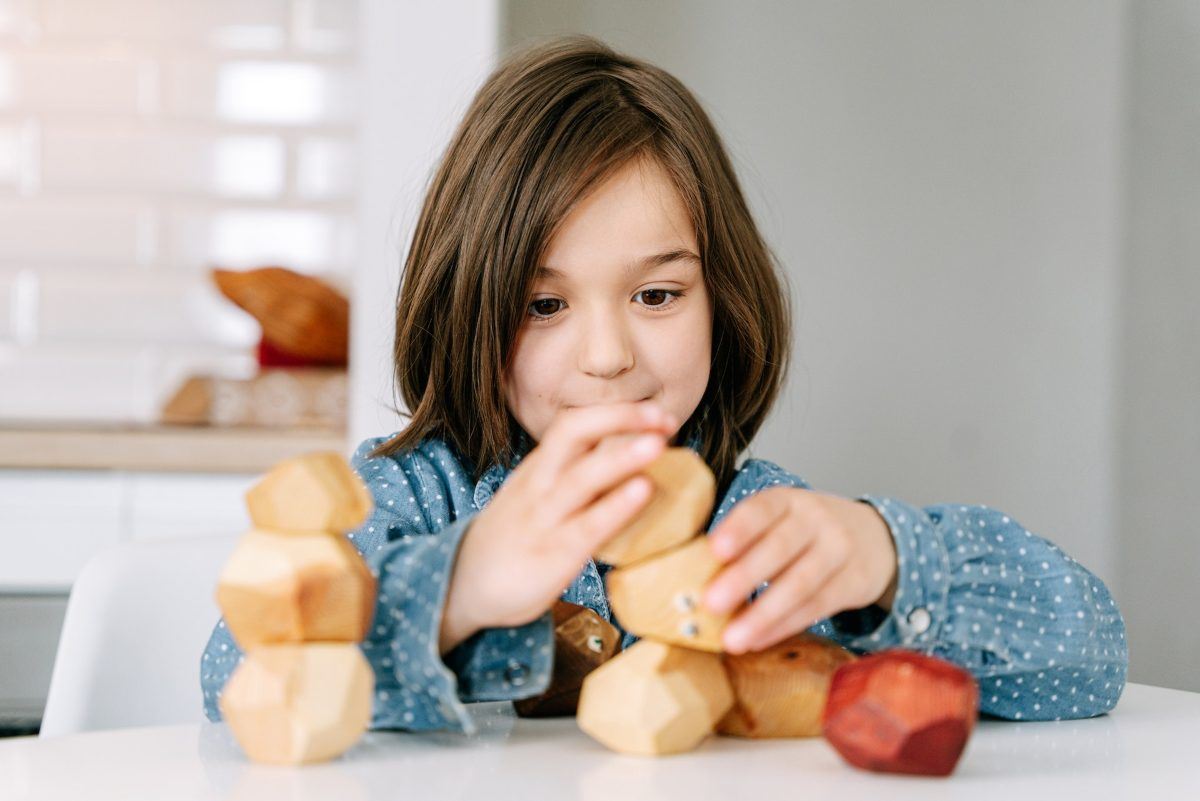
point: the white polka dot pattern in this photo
(1039, 632)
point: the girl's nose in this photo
(605, 348)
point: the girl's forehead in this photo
(634, 214)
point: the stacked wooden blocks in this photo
(298, 598)
(666, 693)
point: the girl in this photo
(585, 268)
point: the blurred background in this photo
(988, 213)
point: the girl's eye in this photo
(657, 299)
(543, 309)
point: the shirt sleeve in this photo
(410, 542)
(1039, 632)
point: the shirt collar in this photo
(494, 475)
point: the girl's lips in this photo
(648, 397)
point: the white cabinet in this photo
(53, 521)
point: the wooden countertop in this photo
(157, 447)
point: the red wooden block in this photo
(899, 711)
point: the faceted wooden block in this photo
(315, 492)
(292, 704)
(781, 691)
(900, 711)
(295, 586)
(654, 698)
(660, 598)
(582, 642)
(684, 491)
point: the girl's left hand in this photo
(821, 554)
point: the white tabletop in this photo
(1145, 748)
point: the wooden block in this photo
(654, 698)
(582, 642)
(781, 691)
(294, 704)
(314, 492)
(661, 597)
(899, 711)
(288, 587)
(684, 492)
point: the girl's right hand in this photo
(564, 500)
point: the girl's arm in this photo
(410, 542)
(1041, 634)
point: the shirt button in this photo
(919, 620)
(516, 673)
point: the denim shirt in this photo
(1040, 633)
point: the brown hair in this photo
(548, 125)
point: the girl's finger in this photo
(601, 469)
(746, 522)
(766, 558)
(590, 528)
(825, 603)
(806, 579)
(576, 431)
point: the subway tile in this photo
(37, 231)
(85, 306)
(326, 169)
(14, 155)
(77, 384)
(238, 24)
(262, 92)
(122, 158)
(98, 383)
(102, 82)
(8, 302)
(302, 240)
(17, 18)
(324, 26)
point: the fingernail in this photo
(734, 638)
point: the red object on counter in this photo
(898, 711)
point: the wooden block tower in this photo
(298, 598)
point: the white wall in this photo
(942, 182)
(421, 62)
(1160, 413)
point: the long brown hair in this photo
(549, 124)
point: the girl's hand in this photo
(564, 500)
(821, 554)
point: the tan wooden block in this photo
(292, 586)
(582, 642)
(661, 598)
(654, 698)
(781, 691)
(684, 493)
(317, 491)
(294, 704)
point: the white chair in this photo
(136, 624)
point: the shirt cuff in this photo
(414, 688)
(505, 664)
(919, 608)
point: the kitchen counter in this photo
(166, 448)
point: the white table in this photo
(1145, 749)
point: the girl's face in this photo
(619, 310)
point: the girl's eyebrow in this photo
(638, 265)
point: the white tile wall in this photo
(140, 159)
(250, 24)
(143, 142)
